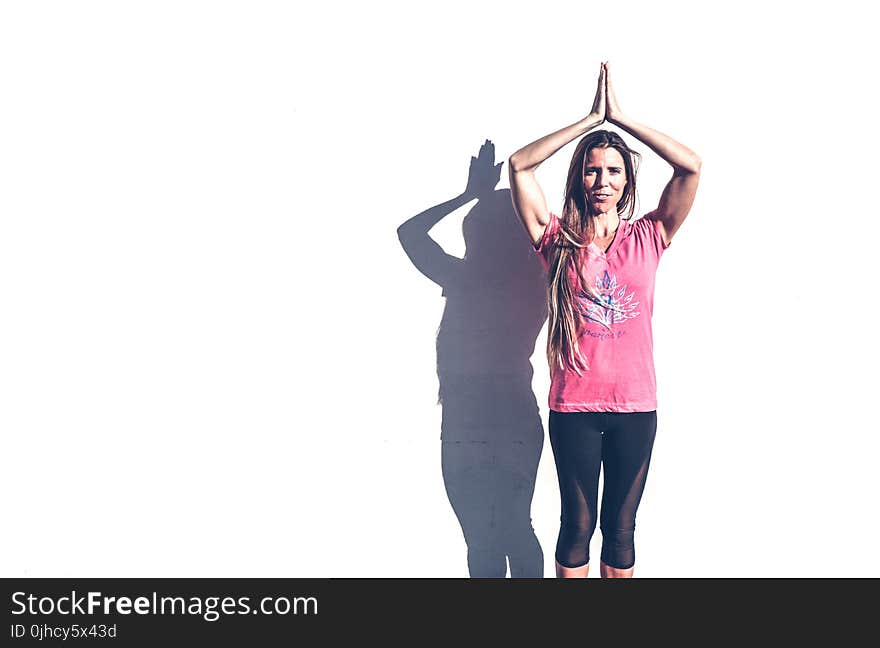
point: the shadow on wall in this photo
(491, 431)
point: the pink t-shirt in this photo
(617, 344)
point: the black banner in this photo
(134, 612)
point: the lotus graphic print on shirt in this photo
(610, 304)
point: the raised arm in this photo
(528, 199)
(678, 195)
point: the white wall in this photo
(216, 360)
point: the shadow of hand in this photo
(483, 174)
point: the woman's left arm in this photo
(678, 196)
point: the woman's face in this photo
(604, 178)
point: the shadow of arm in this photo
(424, 252)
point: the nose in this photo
(602, 178)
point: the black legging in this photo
(621, 443)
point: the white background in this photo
(216, 360)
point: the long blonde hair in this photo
(576, 231)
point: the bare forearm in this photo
(682, 159)
(529, 157)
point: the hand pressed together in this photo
(605, 106)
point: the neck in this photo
(606, 223)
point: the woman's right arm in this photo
(528, 199)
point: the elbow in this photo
(515, 164)
(691, 167)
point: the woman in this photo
(601, 267)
